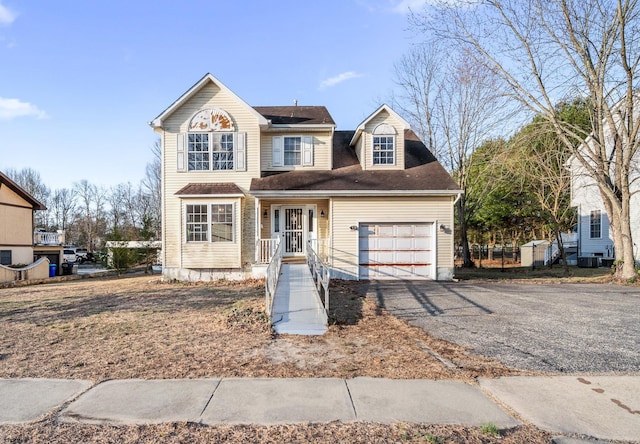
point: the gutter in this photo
(354, 193)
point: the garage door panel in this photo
(404, 243)
(396, 251)
(384, 230)
(423, 230)
(387, 243)
(404, 230)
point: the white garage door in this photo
(396, 251)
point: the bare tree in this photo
(454, 102)
(152, 189)
(547, 50)
(419, 75)
(63, 206)
(91, 213)
(31, 182)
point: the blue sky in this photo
(80, 80)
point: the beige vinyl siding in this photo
(351, 211)
(212, 254)
(360, 152)
(322, 145)
(367, 138)
(210, 96)
(16, 222)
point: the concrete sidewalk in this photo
(601, 407)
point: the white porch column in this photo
(258, 224)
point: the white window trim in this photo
(239, 151)
(591, 224)
(186, 223)
(209, 204)
(395, 150)
(306, 151)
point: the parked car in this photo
(69, 255)
(81, 254)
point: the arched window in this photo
(384, 138)
(211, 141)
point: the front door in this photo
(293, 232)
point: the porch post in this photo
(257, 224)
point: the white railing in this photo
(319, 268)
(265, 249)
(46, 238)
(553, 251)
(321, 248)
(273, 273)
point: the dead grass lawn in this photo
(141, 327)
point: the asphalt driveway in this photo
(555, 328)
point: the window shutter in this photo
(307, 151)
(278, 151)
(181, 152)
(240, 152)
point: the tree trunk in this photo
(467, 262)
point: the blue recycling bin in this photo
(52, 270)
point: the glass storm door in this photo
(293, 232)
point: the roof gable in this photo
(6, 181)
(383, 107)
(208, 78)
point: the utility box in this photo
(588, 262)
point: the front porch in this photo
(296, 223)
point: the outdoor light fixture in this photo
(265, 214)
(353, 227)
(321, 213)
(443, 228)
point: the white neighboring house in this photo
(594, 229)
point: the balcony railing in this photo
(48, 238)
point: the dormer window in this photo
(384, 146)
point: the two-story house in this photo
(236, 177)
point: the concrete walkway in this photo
(297, 308)
(602, 407)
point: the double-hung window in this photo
(383, 150)
(292, 151)
(222, 223)
(216, 219)
(197, 223)
(595, 231)
(210, 151)
(198, 152)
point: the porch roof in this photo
(210, 189)
(422, 175)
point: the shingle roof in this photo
(209, 189)
(5, 180)
(422, 173)
(296, 115)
